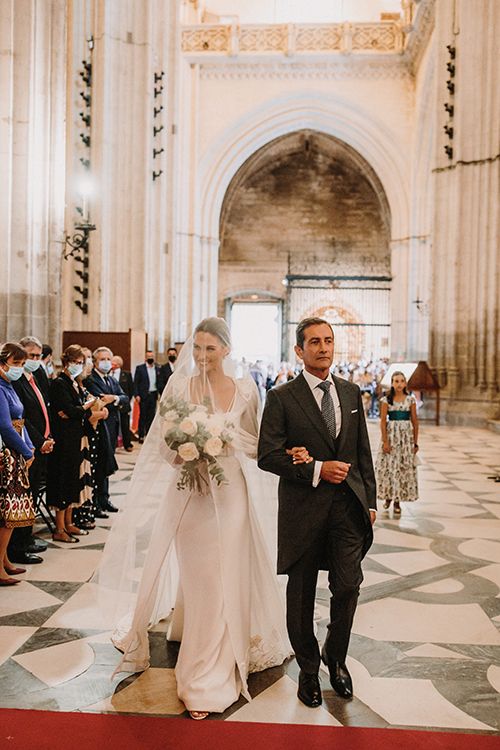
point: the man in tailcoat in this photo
(327, 502)
(100, 383)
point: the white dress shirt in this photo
(104, 375)
(313, 382)
(152, 377)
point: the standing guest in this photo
(69, 481)
(147, 386)
(167, 370)
(126, 382)
(46, 361)
(84, 516)
(107, 389)
(396, 462)
(16, 504)
(33, 391)
(326, 506)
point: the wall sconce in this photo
(157, 110)
(157, 152)
(85, 162)
(157, 174)
(86, 98)
(85, 139)
(450, 86)
(451, 69)
(159, 76)
(86, 119)
(158, 91)
(449, 108)
(448, 130)
(157, 130)
(449, 152)
(452, 51)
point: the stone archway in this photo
(307, 219)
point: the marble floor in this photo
(425, 648)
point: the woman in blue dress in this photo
(16, 456)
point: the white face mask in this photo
(104, 365)
(32, 365)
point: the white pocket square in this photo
(353, 411)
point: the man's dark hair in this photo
(304, 324)
(46, 350)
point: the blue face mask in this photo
(75, 369)
(50, 368)
(31, 365)
(104, 365)
(14, 373)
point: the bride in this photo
(203, 554)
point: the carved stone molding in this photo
(419, 32)
(372, 69)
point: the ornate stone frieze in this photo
(339, 70)
(419, 32)
(385, 37)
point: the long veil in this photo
(138, 568)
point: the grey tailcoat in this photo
(292, 418)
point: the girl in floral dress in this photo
(396, 465)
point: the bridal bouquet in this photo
(197, 437)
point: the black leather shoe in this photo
(110, 508)
(37, 545)
(309, 691)
(26, 558)
(100, 514)
(340, 678)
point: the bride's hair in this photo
(217, 327)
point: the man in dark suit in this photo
(124, 378)
(168, 368)
(33, 391)
(108, 390)
(327, 502)
(148, 385)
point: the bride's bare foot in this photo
(198, 715)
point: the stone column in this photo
(32, 137)
(466, 256)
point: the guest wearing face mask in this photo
(168, 368)
(124, 378)
(33, 391)
(102, 385)
(69, 480)
(16, 505)
(147, 387)
(46, 361)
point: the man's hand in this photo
(47, 446)
(373, 516)
(334, 471)
(300, 455)
(108, 399)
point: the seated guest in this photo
(124, 378)
(109, 392)
(16, 505)
(148, 384)
(69, 482)
(33, 391)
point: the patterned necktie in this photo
(108, 382)
(328, 409)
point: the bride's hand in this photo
(300, 455)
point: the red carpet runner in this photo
(47, 730)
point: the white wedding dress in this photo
(207, 560)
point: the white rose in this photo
(199, 416)
(170, 416)
(215, 425)
(188, 451)
(213, 446)
(168, 425)
(189, 427)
